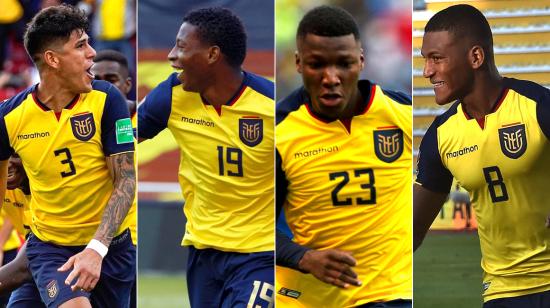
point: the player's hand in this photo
(86, 267)
(330, 266)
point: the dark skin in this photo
(204, 69)
(460, 70)
(116, 74)
(330, 68)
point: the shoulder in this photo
(290, 103)
(8, 105)
(528, 89)
(260, 84)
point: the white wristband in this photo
(98, 247)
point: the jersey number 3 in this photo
(68, 160)
(345, 180)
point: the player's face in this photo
(114, 73)
(75, 61)
(446, 65)
(330, 68)
(190, 55)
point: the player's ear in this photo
(128, 84)
(298, 61)
(362, 58)
(476, 56)
(214, 54)
(51, 59)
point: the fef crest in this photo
(388, 144)
(83, 126)
(251, 131)
(513, 140)
(52, 289)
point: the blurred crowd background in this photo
(385, 28)
(113, 26)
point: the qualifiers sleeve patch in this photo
(124, 131)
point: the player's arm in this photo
(426, 206)
(117, 139)
(330, 266)
(5, 233)
(433, 184)
(3, 179)
(15, 273)
(543, 117)
(154, 110)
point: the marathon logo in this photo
(325, 150)
(464, 151)
(290, 293)
(33, 135)
(198, 121)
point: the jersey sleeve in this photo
(432, 175)
(154, 111)
(543, 113)
(117, 134)
(288, 253)
(5, 149)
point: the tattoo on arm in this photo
(124, 180)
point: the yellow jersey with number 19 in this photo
(348, 188)
(226, 165)
(64, 155)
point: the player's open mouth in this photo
(438, 84)
(331, 99)
(89, 72)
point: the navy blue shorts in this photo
(26, 296)
(535, 300)
(115, 283)
(229, 279)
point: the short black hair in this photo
(51, 25)
(112, 55)
(328, 21)
(464, 22)
(219, 26)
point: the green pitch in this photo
(447, 271)
(167, 291)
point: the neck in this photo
(52, 93)
(223, 86)
(353, 106)
(486, 90)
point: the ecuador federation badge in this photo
(513, 140)
(251, 130)
(83, 126)
(388, 144)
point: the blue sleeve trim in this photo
(154, 111)
(539, 94)
(261, 85)
(290, 103)
(6, 107)
(399, 97)
(115, 109)
(432, 175)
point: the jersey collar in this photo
(46, 108)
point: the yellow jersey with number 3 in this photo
(226, 166)
(348, 188)
(504, 162)
(64, 155)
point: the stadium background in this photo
(447, 270)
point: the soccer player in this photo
(494, 139)
(343, 176)
(223, 119)
(75, 140)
